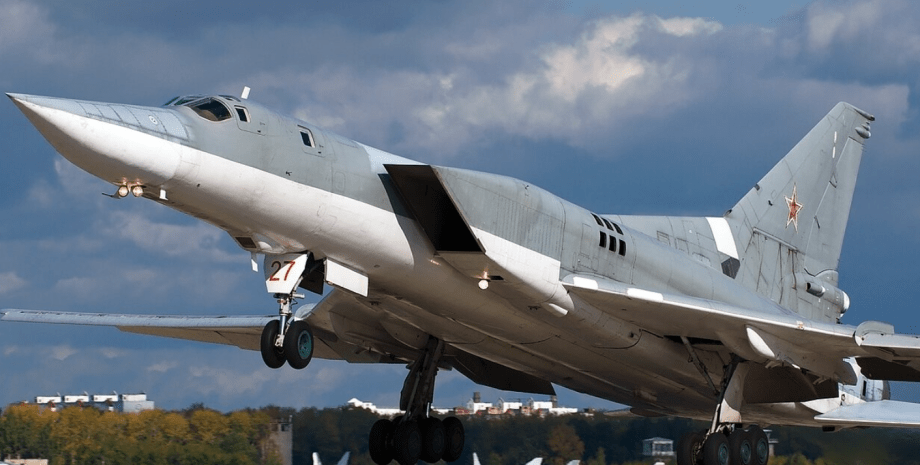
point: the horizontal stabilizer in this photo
(884, 413)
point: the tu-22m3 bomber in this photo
(732, 319)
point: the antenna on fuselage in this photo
(245, 94)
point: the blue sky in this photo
(641, 108)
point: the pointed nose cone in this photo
(48, 114)
(95, 137)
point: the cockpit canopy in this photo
(209, 108)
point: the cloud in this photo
(163, 367)
(25, 26)
(10, 281)
(195, 241)
(62, 352)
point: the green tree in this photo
(24, 431)
(600, 458)
(564, 442)
(208, 426)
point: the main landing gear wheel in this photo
(760, 446)
(433, 439)
(298, 344)
(688, 448)
(716, 450)
(272, 355)
(455, 437)
(407, 443)
(739, 443)
(378, 444)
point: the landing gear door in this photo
(284, 272)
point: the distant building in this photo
(658, 447)
(355, 403)
(476, 405)
(505, 406)
(127, 403)
(281, 440)
(531, 407)
(24, 462)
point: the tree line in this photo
(201, 436)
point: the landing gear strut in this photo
(417, 435)
(726, 442)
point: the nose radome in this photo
(106, 140)
(33, 104)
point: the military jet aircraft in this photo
(732, 318)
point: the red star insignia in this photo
(794, 208)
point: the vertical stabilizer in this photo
(793, 221)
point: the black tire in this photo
(271, 355)
(739, 443)
(455, 437)
(407, 443)
(298, 344)
(378, 443)
(433, 439)
(760, 446)
(688, 448)
(716, 450)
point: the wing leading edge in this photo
(243, 331)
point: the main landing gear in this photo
(417, 435)
(286, 339)
(726, 442)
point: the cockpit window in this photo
(210, 109)
(182, 100)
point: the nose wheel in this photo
(288, 341)
(272, 355)
(298, 344)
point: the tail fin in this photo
(793, 220)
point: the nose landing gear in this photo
(285, 339)
(293, 345)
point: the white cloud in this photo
(78, 183)
(24, 26)
(163, 367)
(10, 281)
(42, 194)
(62, 352)
(682, 27)
(198, 241)
(112, 352)
(829, 22)
(81, 287)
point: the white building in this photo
(506, 405)
(373, 408)
(110, 402)
(658, 447)
(476, 405)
